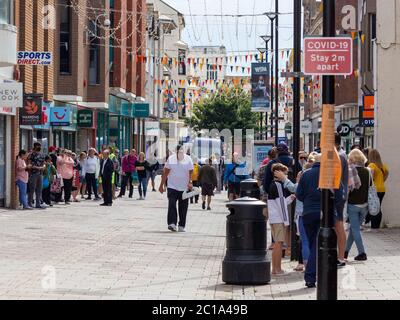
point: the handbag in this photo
(56, 185)
(374, 205)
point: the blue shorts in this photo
(340, 210)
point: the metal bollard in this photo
(246, 261)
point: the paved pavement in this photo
(84, 251)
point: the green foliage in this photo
(230, 109)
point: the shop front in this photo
(103, 124)
(41, 133)
(87, 125)
(121, 124)
(2, 159)
(7, 155)
(63, 120)
(34, 122)
(140, 112)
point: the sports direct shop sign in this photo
(35, 58)
(328, 56)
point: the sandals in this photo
(299, 268)
(280, 274)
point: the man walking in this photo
(208, 181)
(36, 166)
(107, 170)
(178, 170)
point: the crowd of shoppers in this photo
(359, 174)
(62, 176)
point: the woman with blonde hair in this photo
(380, 172)
(357, 207)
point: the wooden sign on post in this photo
(331, 167)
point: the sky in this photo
(238, 35)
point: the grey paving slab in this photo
(125, 252)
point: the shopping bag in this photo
(192, 193)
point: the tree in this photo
(230, 109)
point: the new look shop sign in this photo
(11, 95)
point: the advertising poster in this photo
(260, 87)
(60, 116)
(260, 152)
(35, 58)
(31, 113)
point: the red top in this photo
(265, 161)
(128, 163)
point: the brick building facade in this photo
(98, 66)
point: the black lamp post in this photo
(296, 112)
(327, 241)
(263, 52)
(274, 92)
(266, 39)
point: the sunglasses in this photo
(303, 158)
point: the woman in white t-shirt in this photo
(178, 170)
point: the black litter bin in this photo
(246, 261)
(250, 188)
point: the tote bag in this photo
(56, 185)
(374, 206)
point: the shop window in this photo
(65, 36)
(6, 12)
(25, 138)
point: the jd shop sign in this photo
(85, 118)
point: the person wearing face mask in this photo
(178, 170)
(36, 167)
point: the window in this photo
(372, 37)
(65, 37)
(211, 72)
(111, 53)
(6, 12)
(181, 61)
(94, 54)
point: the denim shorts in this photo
(339, 210)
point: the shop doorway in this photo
(2, 160)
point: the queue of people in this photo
(61, 176)
(361, 171)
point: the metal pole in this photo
(276, 72)
(296, 113)
(266, 113)
(272, 77)
(327, 240)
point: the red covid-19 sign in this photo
(328, 56)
